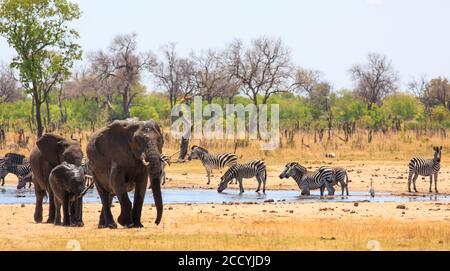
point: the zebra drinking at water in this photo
(23, 173)
(307, 181)
(341, 178)
(425, 167)
(255, 168)
(212, 161)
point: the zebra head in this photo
(293, 169)
(225, 180)
(196, 152)
(437, 154)
(23, 181)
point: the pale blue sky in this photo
(328, 35)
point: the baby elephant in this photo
(67, 182)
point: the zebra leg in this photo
(258, 178)
(435, 182)
(264, 179)
(431, 183)
(241, 187)
(410, 176)
(208, 172)
(416, 175)
(322, 189)
(3, 181)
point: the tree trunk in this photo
(47, 107)
(32, 111)
(37, 103)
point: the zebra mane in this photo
(297, 166)
(199, 148)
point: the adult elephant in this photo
(122, 157)
(50, 151)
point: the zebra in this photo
(307, 181)
(165, 160)
(212, 161)
(13, 159)
(255, 168)
(85, 166)
(340, 178)
(425, 167)
(3, 171)
(24, 180)
(23, 173)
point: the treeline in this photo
(45, 92)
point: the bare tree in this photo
(175, 74)
(121, 68)
(306, 80)
(419, 87)
(9, 90)
(375, 80)
(212, 79)
(438, 92)
(263, 69)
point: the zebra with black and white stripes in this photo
(425, 167)
(3, 171)
(255, 168)
(23, 173)
(165, 161)
(340, 178)
(307, 181)
(212, 161)
(13, 159)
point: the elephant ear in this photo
(51, 147)
(157, 130)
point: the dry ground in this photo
(268, 226)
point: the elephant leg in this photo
(138, 201)
(118, 182)
(57, 212)
(66, 210)
(51, 207)
(106, 218)
(76, 208)
(38, 208)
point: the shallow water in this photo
(10, 195)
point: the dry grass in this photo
(239, 227)
(294, 226)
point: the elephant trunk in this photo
(156, 190)
(154, 172)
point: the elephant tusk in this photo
(145, 163)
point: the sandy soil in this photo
(268, 226)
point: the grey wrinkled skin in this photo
(50, 151)
(122, 157)
(67, 183)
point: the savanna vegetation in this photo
(41, 90)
